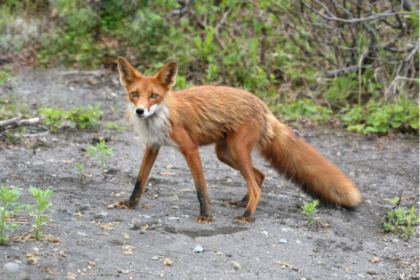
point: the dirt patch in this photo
(159, 242)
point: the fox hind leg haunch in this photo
(239, 146)
(149, 159)
(224, 156)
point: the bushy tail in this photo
(297, 160)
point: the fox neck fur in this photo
(154, 130)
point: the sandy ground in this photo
(88, 241)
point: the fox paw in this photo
(244, 220)
(121, 205)
(203, 220)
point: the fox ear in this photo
(127, 72)
(167, 74)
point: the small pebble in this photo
(395, 240)
(101, 215)
(84, 208)
(198, 249)
(372, 272)
(265, 233)
(11, 267)
(174, 219)
(82, 234)
(283, 241)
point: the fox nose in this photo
(139, 111)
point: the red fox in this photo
(236, 121)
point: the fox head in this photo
(147, 93)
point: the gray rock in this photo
(101, 215)
(11, 267)
(198, 249)
(81, 234)
(283, 241)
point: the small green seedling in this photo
(80, 166)
(10, 207)
(42, 204)
(102, 153)
(114, 126)
(400, 220)
(308, 209)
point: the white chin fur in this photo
(149, 112)
(153, 128)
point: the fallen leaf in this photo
(107, 226)
(128, 247)
(168, 262)
(374, 260)
(71, 276)
(92, 263)
(49, 270)
(175, 207)
(32, 258)
(88, 175)
(78, 214)
(51, 239)
(123, 271)
(120, 194)
(61, 253)
(283, 264)
(185, 190)
(236, 265)
(144, 206)
(157, 257)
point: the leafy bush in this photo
(381, 117)
(353, 63)
(79, 117)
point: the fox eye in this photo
(154, 95)
(135, 94)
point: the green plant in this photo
(9, 208)
(42, 204)
(80, 166)
(11, 107)
(308, 209)
(53, 117)
(84, 117)
(381, 117)
(400, 220)
(102, 153)
(114, 126)
(303, 108)
(78, 117)
(5, 77)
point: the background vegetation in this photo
(349, 63)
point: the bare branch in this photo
(354, 20)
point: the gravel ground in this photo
(160, 239)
